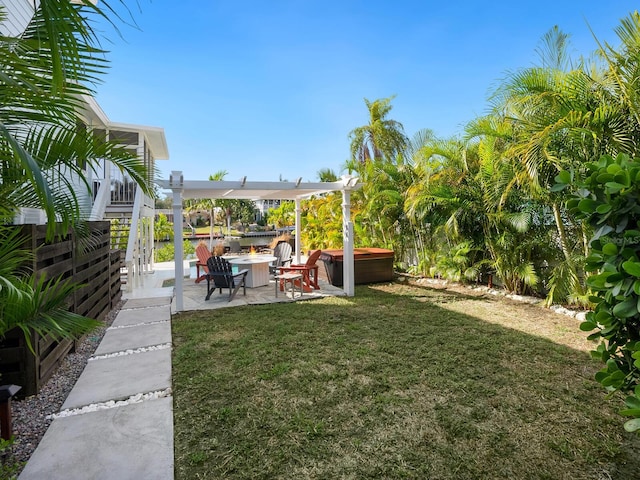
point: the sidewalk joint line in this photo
(118, 327)
(124, 307)
(131, 351)
(95, 407)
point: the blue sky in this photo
(271, 89)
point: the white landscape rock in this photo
(152, 348)
(94, 407)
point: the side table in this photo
(283, 278)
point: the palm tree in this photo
(283, 216)
(327, 175)
(208, 204)
(381, 138)
(162, 228)
(33, 303)
(623, 72)
(44, 74)
(561, 116)
(377, 157)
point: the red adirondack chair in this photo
(309, 271)
(203, 254)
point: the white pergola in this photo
(243, 189)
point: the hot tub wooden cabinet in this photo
(371, 265)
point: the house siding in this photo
(18, 14)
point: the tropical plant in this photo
(322, 222)
(119, 234)
(209, 204)
(381, 138)
(162, 229)
(34, 303)
(168, 252)
(609, 199)
(283, 216)
(560, 115)
(623, 74)
(327, 175)
(45, 74)
(377, 158)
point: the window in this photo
(124, 138)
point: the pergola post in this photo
(176, 182)
(348, 276)
(298, 229)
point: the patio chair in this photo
(282, 252)
(203, 254)
(221, 273)
(234, 246)
(309, 271)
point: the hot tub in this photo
(371, 265)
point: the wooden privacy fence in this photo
(88, 261)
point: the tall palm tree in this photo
(382, 138)
(377, 157)
(562, 117)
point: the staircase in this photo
(131, 217)
(120, 228)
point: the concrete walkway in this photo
(117, 422)
(106, 440)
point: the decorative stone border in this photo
(578, 315)
(130, 352)
(94, 407)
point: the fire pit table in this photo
(258, 266)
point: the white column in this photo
(175, 182)
(348, 277)
(298, 229)
(152, 240)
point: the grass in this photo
(396, 382)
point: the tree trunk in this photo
(562, 234)
(585, 239)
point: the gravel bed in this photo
(29, 415)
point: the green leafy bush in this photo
(168, 252)
(9, 466)
(608, 197)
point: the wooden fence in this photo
(88, 261)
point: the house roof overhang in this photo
(156, 139)
(95, 117)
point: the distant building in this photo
(263, 206)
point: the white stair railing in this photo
(101, 200)
(132, 258)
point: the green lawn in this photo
(396, 382)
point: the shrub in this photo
(609, 199)
(168, 252)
